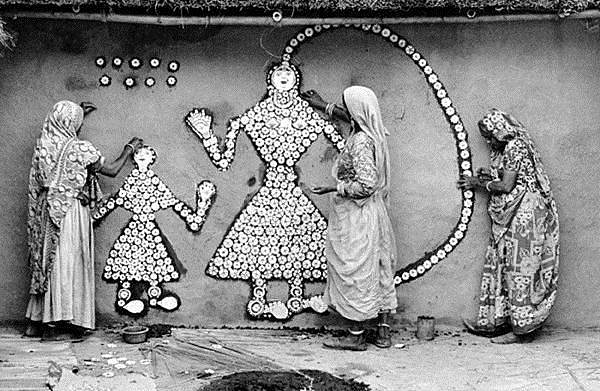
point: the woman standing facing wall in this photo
(62, 184)
(520, 273)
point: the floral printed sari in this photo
(520, 273)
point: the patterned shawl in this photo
(364, 109)
(57, 176)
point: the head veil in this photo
(505, 128)
(364, 109)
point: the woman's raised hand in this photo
(135, 144)
(313, 98)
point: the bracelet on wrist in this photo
(329, 110)
(130, 146)
(487, 186)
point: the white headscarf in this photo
(364, 109)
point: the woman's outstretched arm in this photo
(112, 169)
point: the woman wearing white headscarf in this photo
(361, 250)
(60, 236)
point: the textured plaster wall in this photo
(547, 74)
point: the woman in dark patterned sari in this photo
(520, 273)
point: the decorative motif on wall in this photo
(136, 64)
(280, 234)
(142, 259)
(431, 258)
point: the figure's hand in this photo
(84, 198)
(313, 98)
(323, 189)
(205, 191)
(87, 107)
(200, 120)
(468, 182)
(135, 143)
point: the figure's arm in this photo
(330, 111)
(194, 219)
(200, 121)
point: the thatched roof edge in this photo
(307, 7)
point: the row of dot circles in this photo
(420, 267)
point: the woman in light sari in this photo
(520, 273)
(361, 249)
(62, 183)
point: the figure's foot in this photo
(34, 330)
(354, 341)
(79, 333)
(511, 338)
(317, 304)
(168, 303)
(54, 333)
(135, 307)
(384, 338)
(475, 329)
(279, 310)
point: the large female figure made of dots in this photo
(280, 234)
(141, 260)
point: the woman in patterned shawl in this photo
(361, 248)
(62, 184)
(520, 273)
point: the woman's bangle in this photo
(487, 186)
(131, 146)
(329, 109)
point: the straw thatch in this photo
(6, 38)
(310, 7)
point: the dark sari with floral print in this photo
(520, 273)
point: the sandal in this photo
(354, 341)
(383, 339)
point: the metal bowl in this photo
(135, 334)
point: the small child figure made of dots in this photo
(141, 260)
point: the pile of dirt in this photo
(305, 380)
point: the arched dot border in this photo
(431, 258)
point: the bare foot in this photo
(34, 330)
(512, 338)
(355, 342)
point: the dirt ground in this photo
(190, 359)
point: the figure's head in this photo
(144, 157)
(65, 118)
(498, 128)
(284, 77)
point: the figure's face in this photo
(143, 157)
(283, 78)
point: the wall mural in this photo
(135, 64)
(431, 258)
(280, 234)
(141, 260)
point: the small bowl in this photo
(135, 334)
